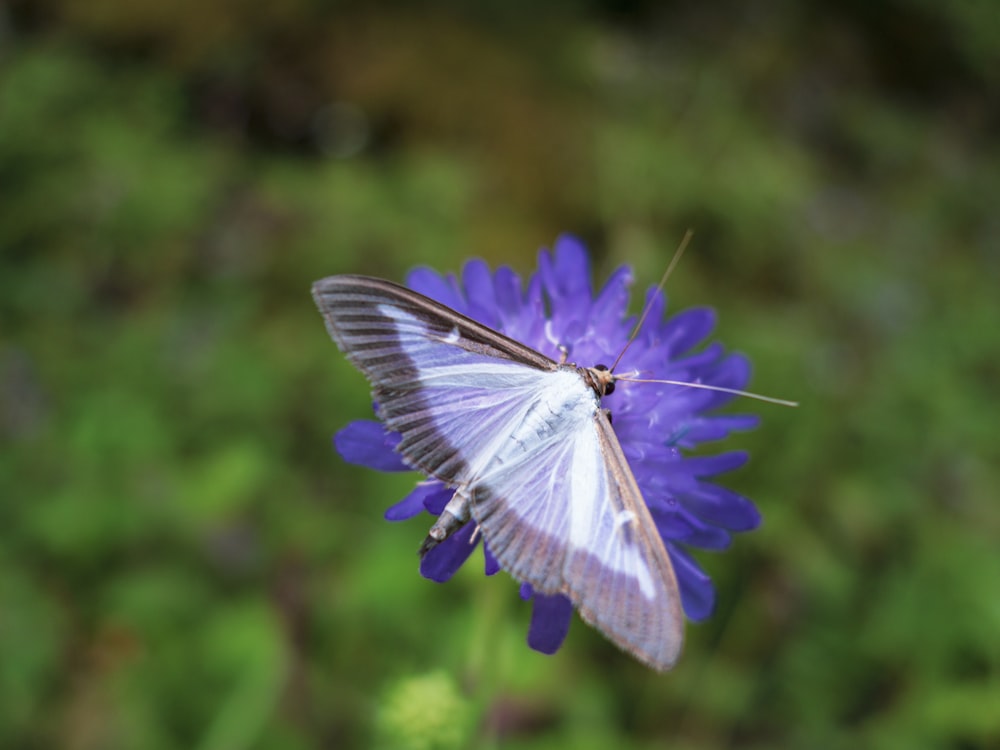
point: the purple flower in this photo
(654, 423)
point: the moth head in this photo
(603, 379)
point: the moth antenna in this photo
(719, 388)
(659, 288)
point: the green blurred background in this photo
(186, 563)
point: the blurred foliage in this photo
(424, 713)
(185, 563)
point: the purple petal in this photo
(655, 304)
(570, 333)
(566, 277)
(608, 326)
(532, 325)
(479, 293)
(697, 591)
(526, 591)
(677, 525)
(716, 428)
(643, 454)
(444, 560)
(492, 566)
(692, 367)
(738, 422)
(722, 507)
(688, 328)
(733, 371)
(612, 301)
(507, 288)
(367, 443)
(431, 284)
(550, 616)
(534, 299)
(570, 271)
(416, 502)
(435, 502)
(710, 466)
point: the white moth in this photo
(531, 454)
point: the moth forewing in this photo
(354, 299)
(415, 352)
(650, 628)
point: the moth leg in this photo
(563, 354)
(452, 518)
(607, 413)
